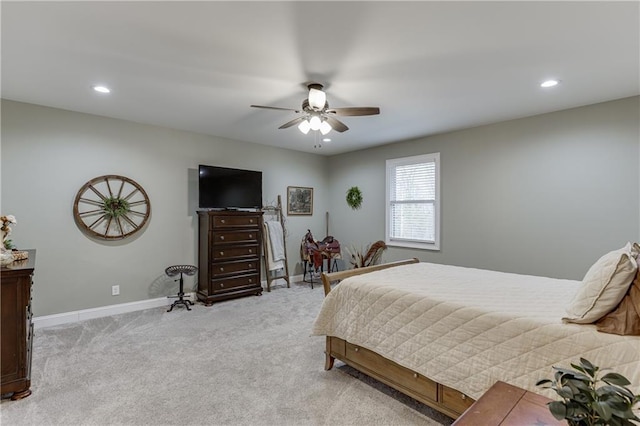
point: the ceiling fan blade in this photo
(353, 111)
(336, 124)
(271, 107)
(292, 122)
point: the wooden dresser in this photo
(17, 328)
(228, 255)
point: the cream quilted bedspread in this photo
(467, 328)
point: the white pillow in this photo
(604, 286)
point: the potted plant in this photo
(585, 403)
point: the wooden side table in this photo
(507, 405)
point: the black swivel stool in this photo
(174, 270)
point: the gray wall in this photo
(544, 195)
(48, 154)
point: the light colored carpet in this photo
(248, 361)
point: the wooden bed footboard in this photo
(442, 398)
(327, 279)
(439, 397)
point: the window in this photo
(413, 202)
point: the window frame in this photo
(390, 166)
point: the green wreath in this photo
(354, 197)
(115, 206)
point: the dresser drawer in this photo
(406, 378)
(221, 269)
(234, 237)
(455, 400)
(232, 283)
(238, 252)
(235, 221)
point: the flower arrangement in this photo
(5, 228)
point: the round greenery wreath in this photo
(115, 206)
(354, 197)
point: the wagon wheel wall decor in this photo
(111, 207)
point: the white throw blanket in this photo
(276, 236)
(273, 263)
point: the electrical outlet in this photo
(115, 290)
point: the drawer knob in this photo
(463, 396)
(356, 349)
(251, 265)
(250, 250)
(415, 375)
(250, 220)
(221, 253)
(222, 237)
(221, 269)
(250, 280)
(221, 284)
(222, 221)
(250, 236)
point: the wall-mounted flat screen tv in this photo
(225, 188)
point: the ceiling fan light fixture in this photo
(315, 123)
(304, 127)
(316, 115)
(317, 98)
(325, 127)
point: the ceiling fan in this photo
(316, 114)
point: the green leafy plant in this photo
(354, 197)
(115, 206)
(8, 244)
(584, 403)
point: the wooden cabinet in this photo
(507, 405)
(228, 255)
(17, 328)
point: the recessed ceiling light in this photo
(326, 140)
(102, 89)
(549, 83)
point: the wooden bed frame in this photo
(442, 398)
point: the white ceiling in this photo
(431, 67)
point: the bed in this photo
(445, 334)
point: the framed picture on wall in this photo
(299, 201)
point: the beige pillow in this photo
(604, 286)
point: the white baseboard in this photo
(122, 308)
(103, 311)
(292, 279)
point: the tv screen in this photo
(224, 188)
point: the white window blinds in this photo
(412, 195)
